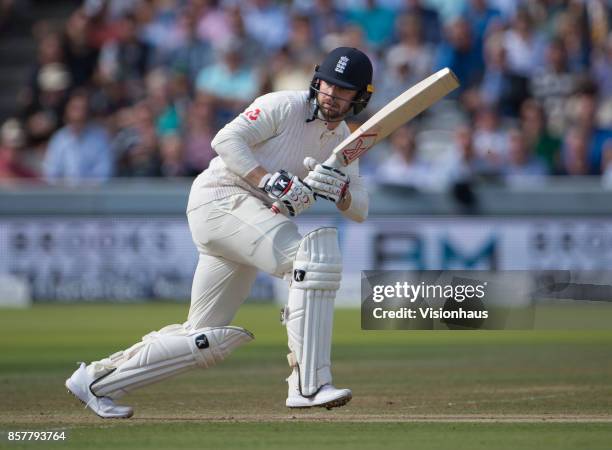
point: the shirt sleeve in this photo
(103, 167)
(360, 199)
(262, 120)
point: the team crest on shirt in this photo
(341, 65)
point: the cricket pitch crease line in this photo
(306, 416)
(340, 418)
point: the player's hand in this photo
(289, 190)
(327, 182)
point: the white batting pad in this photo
(162, 354)
(309, 314)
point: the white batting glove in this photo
(289, 190)
(326, 182)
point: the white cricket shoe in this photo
(328, 396)
(78, 385)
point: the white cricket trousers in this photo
(235, 237)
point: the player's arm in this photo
(259, 122)
(355, 203)
(256, 175)
(234, 142)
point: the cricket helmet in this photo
(347, 68)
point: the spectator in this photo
(301, 44)
(375, 21)
(411, 48)
(287, 74)
(600, 71)
(267, 23)
(352, 36)
(44, 116)
(490, 140)
(544, 145)
(193, 54)
(81, 56)
(160, 98)
(584, 107)
(570, 28)
(576, 152)
(42, 100)
(147, 102)
(429, 19)
(50, 51)
(606, 166)
(113, 9)
(552, 85)
(12, 140)
(213, 23)
(522, 164)
(105, 18)
(482, 17)
(460, 54)
(162, 32)
(171, 156)
(465, 165)
(80, 151)
(501, 88)
(198, 136)
(397, 78)
(107, 97)
(402, 166)
(325, 19)
(136, 145)
(128, 58)
(229, 82)
(251, 51)
(523, 45)
(602, 67)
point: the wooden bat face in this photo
(396, 113)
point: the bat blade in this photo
(400, 110)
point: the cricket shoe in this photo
(78, 385)
(327, 397)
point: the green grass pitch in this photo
(541, 389)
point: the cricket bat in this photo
(396, 113)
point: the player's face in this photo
(334, 101)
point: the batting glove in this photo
(289, 190)
(326, 182)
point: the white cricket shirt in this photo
(273, 132)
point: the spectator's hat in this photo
(11, 133)
(53, 77)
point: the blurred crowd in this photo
(138, 88)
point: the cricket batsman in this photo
(239, 214)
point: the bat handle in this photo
(334, 161)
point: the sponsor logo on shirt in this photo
(252, 114)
